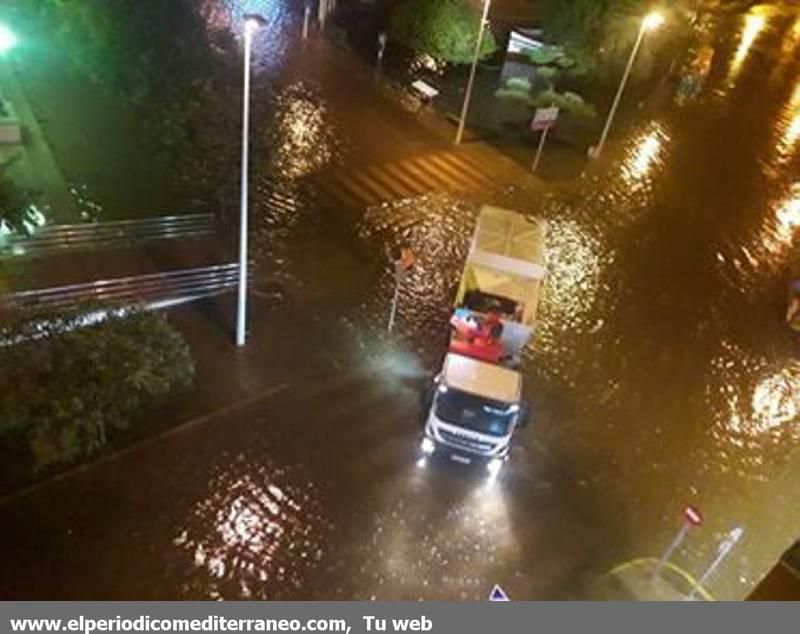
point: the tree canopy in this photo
(447, 30)
(133, 46)
(66, 386)
(599, 34)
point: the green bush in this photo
(519, 84)
(446, 30)
(66, 387)
(512, 95)
(544, 55)
(568, 102)
(547, 74)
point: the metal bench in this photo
(424, 92)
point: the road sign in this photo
(692, 518)
(498, 594)
(693, 515)
(544, 118)
(402, 266)
(723, 550)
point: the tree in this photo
(599, 34)
(68, 386)
(447, 30)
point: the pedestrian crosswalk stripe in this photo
(385, 177)
(362, 195)
(461, 162)
(442, 171)
(428, 180)
(342, 195)
(374, 186)
(427, 164)
(447, 168)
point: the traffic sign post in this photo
(543, 120)
(306, 20)
(723, 550)
(402, 267)
(692, 518)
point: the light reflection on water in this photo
(425, 545)
(302, 135)
(574, 265)
(756, 406)
(752, 26)
(643, 154)
(302, 138)
(769, 252)
(255, 534)
(789, 127)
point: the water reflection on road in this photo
(256, 530)
(661, 353)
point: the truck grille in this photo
(459, 440)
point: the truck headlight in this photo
(427, 446)
(494, 466)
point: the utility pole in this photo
(650, 22)
(468, 94)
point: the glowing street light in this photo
(650, 22)
(653, 21)
(7, 39)
(252, 23)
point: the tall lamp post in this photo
(650, 22)
(468, 94)
(252, 23)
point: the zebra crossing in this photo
(437, 172)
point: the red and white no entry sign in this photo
(693, 515)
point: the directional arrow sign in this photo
(498, 594)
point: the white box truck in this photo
(475, 402)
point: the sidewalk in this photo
(633, 581)
(33, 166)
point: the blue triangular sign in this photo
(498, 594)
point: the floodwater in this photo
(662, 370)
(662, 373)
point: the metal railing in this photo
(152, 290)
(56, 238)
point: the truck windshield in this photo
(474, 412)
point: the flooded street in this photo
(662, 372)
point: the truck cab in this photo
(475, 409)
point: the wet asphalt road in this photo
(662, 374)
(306, 494)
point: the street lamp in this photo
(650, 23)
(7, 39)
(252, 23)
(465, 108)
